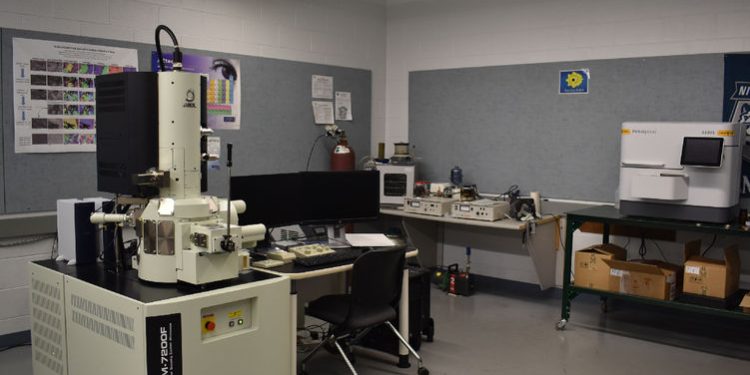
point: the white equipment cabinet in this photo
(87, 321)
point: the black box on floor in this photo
(420, 321)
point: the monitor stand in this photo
(337, 235)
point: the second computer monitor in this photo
(341, 197)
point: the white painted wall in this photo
(348, 33)
(437, 34)
(14, 280)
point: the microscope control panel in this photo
(227, 319)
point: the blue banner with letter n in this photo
(737, 105)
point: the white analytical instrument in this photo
(681, 170)
(481, 209)
(185, 308)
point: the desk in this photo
(426, 232)
(295, 273)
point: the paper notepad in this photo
(368, 240)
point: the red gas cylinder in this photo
(342, 156)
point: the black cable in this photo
(512, 193)
(14, 346)
(309, 156)
(713, 241)
(176, 56)
(642, 248)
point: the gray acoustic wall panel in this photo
(3, 121)
(276, 134)
(508, 125)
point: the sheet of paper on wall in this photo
(323, 112)
(54, 96)
(322, 87)
(213, 148)
(343, 106)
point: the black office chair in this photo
(377, 278)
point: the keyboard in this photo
(337, 256)
(311, 250)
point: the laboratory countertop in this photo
(126, 283)
(297, 272)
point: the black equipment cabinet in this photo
(421, 324)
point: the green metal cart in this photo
(608, 216)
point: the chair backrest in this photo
(377, 276)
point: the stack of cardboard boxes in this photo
(604, 267)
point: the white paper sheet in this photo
(343, 106)
(322, 87)
(368, 240)
(323, 112)
(213, 147)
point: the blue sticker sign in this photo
(574, 81)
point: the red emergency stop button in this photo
(210, 326)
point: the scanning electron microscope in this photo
(185, 307)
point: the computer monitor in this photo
(272, 199)
(308, 198)
(341, 197)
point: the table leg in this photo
(293, 324)
(605, 233)
(403, 321)
(570, 227)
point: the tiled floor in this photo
(513, 333)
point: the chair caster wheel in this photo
(561, 324)
(423, 371)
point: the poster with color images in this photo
(223, 91)
(54, 94)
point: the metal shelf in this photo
(608, 216)
(736, 314)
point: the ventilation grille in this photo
(87, 314)
(114, 317)
(48, 362)
(46, 311)
(110, 96)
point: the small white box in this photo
(433, 206)
(483, 209)
(75, 233)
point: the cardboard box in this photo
(711, 277)
(745, 304)
(652, 279)
(590, 270)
